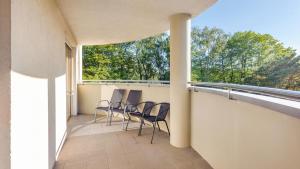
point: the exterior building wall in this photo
(38, 82)
(231, 134)
(5, 64)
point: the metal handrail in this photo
(267, 91)
(281, 93)
(161, 82)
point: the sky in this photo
(280, 18)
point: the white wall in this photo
(38, 83)
(231, 134)
(5, 61)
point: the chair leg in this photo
(158, 126)
(128, 122)
(153, 132)
(111, 114)
(107, 117)
(95, 116)
(141, 127)
(167, 127)
(123, 122)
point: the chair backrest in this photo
(133, 98)
(116, 98)
(148, 107)
(163, 110)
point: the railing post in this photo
(229, 93)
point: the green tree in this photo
(145, 59)
(248, 52)
(281, 73)
(244, 58)
(207, 54)
(153, 56)
(95, 64)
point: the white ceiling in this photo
(113, 21)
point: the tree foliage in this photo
(139, 60)
(244, 58)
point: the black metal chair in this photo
(114, 103)
(161, 116)
(148, 105)
(133, 99)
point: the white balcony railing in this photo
(141, 82)
(265, 91)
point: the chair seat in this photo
(102, 108)
(137, 114)
(152, 118)
(118, 110)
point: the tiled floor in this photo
(97, 146)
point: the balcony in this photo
(41, 87)
(222, 129)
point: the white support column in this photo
(180, 73)
(78, 78)
(79, 64)
(74, 81)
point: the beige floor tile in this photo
(75, 165)
(97, 146)
(59, 166)
(97, 162)
(119, 161)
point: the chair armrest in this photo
(140, 103)
(132, 106)
(101, 101)
(150, 108)
(118, 102)
(136, 106)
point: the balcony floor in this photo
(97, 146)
